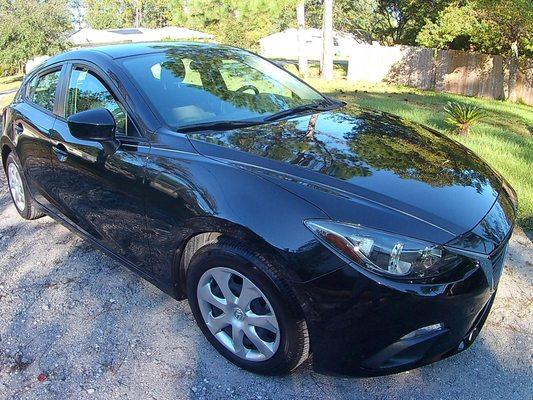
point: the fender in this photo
(189, 194)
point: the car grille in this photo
(497, 258)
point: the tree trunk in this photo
(138, 13)
(303, 66)
(327, 41)
(513, 71)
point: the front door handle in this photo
(19, 128)
(60, 151)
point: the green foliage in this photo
(388, 21)
(104, 14)
(237, 22)
(463, 116)
(400, 20)
(515, 17)
(452, 23)
(109, 14)
(156, 13)
(488, 26)
(354, 16)
(30, 28)
(351, 16)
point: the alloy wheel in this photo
(238, 314)
(16, 186)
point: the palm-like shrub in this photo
(463, 116)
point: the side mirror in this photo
(97, 124)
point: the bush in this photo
(463, 116)
(30, 28)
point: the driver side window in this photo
(87, 92)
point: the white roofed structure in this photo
(96, 37)
(284, 44)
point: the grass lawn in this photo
(5, 100)
(504, 139)
(8, 83)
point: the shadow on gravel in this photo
(88, 324)
(5, 198)
(74, 323)
(72, 317)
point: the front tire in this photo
(244, 308)
(18, 188)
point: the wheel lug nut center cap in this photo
(239, 314)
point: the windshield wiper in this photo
(323, 105)
(218, 126)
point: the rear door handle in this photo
(19, 128)
(60, 151)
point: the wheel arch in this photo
(184, 255)
(236, 234)
(6, 150)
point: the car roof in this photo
(115, 51)
(134, 49)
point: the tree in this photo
(327, 41)
(388, 21)
(458, 28)
(105, 14)
(514, 18)
(489, 26)
(30, 28)
(399, 21)
(355, 16)
(237, 22)
(351, 16)
(77, 9)
(108, 14)
(137, 6)
(156, 13)
(303, 65)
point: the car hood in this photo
(369, 156)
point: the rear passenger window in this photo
(42, 90)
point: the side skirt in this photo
(168, 289)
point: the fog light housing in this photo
(424, 331)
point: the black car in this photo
(292, 222)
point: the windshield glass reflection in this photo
(189, 84)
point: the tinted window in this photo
(42, 90)
(194, 84)
(87, 92)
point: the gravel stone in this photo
(95, 329)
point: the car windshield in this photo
(191, 84)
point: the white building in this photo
(285, 44)
(95, 37)
(87, 37)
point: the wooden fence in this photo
(466, 73)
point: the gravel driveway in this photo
(76, 324)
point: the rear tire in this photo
(282, 342)
(18, 189)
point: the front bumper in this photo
(358, 323)
(365, 325)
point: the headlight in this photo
(384, 252)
